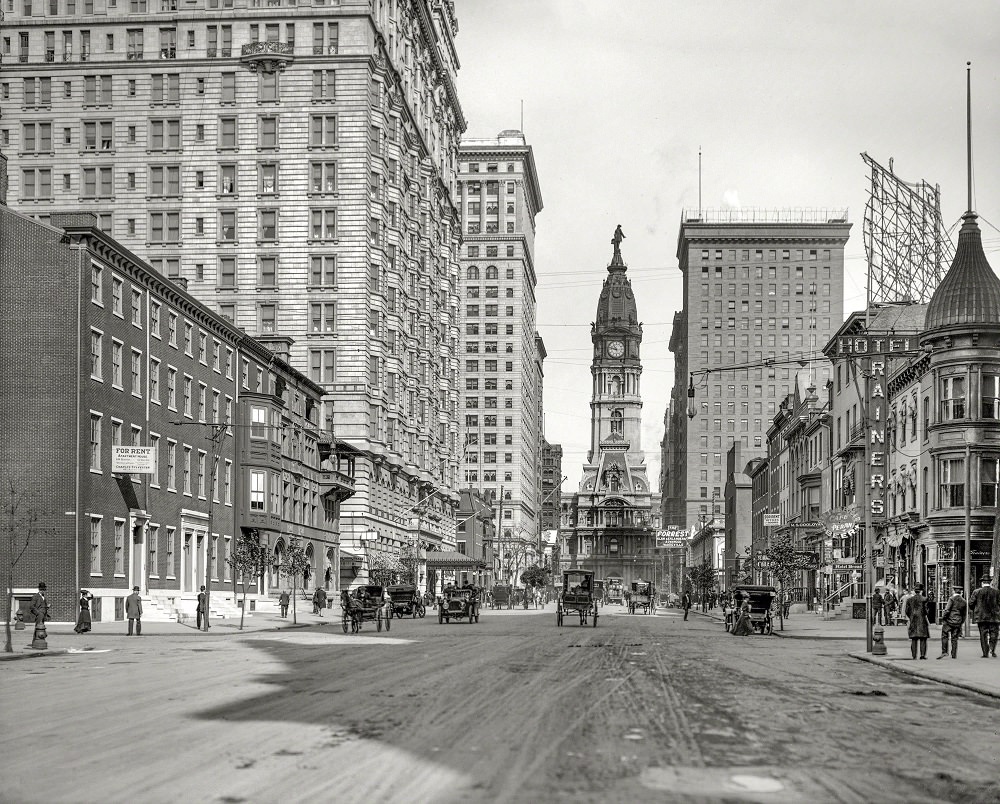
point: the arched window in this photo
(616, 422)
(491, 272)
(472, 272)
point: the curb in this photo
(31, 653)
(907, 672)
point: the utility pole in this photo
(218, 435)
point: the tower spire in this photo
(968, 129)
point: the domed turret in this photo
(969, 294)
(616, 306)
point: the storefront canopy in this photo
(449, 559)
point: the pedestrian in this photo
(202, 612)
(786, 605)
(283, 600)
(889, 602)
(319, 601)
(907, 594)
(931, 607)
(985, 606)
(83, 620)
(39, 610)
(878, 608)
(952, 620)
(916, 621)
(686, 603)
(744, 625)
(133, 610)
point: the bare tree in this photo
(247, 562)
(785, 564)
(292, 566)
(21, 519)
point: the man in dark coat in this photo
(133, 610)
(283, 600)
(39, 609)
(952, 620)
(985, 605)
(202, 613)
(686, 603)
(878, 608)
(917, 629)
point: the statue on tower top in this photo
(616, 241)
(619, 235)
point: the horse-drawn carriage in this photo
(751, 613)
(405, 601)
(364, 604)
(502, 597)
(615, 589)
(600, 592)
(577, 597)
(642, 597)
(459, 603)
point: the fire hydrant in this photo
(878, 641)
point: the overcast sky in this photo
(782, 97)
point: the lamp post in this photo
(370, 536)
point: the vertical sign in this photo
(876, 414)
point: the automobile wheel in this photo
(440, 616)
(345, 621)
(422, 611)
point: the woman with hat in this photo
(917, 627)
(83, 621)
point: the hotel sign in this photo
(875, 415)
(879, 345)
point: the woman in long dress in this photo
(744, 626)
(83, 621)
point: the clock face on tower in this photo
(616, 348)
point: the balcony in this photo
(335, 483)
(266, 56)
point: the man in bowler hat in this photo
(985, 605)
(133, 610)
(952, 620)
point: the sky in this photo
(781, 98)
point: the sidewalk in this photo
(970, 671)
(62, 639)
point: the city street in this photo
(509, 709)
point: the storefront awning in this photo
(449, 559)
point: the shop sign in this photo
(946, 552)
(772, 520)
(875, 420)
(868, 345)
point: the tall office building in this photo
(503, 354)
(293, 164)
(763, 293)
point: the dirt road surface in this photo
(510, 709)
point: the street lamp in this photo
(370, 536)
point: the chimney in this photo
(3, 180)
(180, 281)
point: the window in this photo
(36, 184)
(97, 182)
(165, 180)
(172, 388)
(989, 482)
(227, 133)
(952, 398)
(96, 354)
(268, 318)
(133, 44)
(95, 442)
(323, 131)
(164, 135)
(323, 177)
(186, 396)
(227, 226)
(227, 179)
(258, 490)
(154, 477)
(267, 178)
(227, 274)
(323, 224)
(228, 91)
(165, 89)
(171, 465)
(267, 133)
(154, 380)
(322, 366)
(990, 399)
(267, 86)
(116, 363)
(120, 547)
(324, 85)
(323, 317)
(186, 472)
(268, 225)
(95, 545)
(952, 492)
(323, 270)
(268, 272)
(164, 227)
(136, 373)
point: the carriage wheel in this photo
(769, 627)
(345, 621)
(422, 610)
(378, 620)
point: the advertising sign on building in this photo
(875, 413)
(772, 520)
(671, 537)
(132, 460)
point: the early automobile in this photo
(405, 601)
(364, 604)
(577, 597)
(600, 592)
(757, 611)
(459, 603)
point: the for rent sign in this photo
(132, 460)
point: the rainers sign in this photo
(875, 408)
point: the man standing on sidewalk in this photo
(985, 605)
(283, 601)
(878, 617)
(133, 610)
(686, 603)
(202, 612)
(952, 620)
